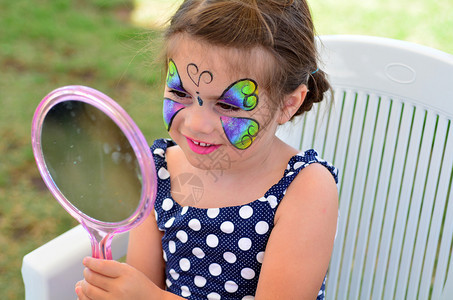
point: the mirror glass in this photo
(95, 161)
(91, 161)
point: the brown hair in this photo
(283, 28)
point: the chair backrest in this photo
(388, 129)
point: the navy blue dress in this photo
(217, 253)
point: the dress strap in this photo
(296, 164)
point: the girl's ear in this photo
(292, 103)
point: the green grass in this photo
(45, 44)
(429, 23)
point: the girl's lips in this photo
(201, 147)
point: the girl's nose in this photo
(201, 119)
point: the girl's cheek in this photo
(241, 132)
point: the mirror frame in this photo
(139, 145)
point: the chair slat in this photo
(446, 210)
(386, 273)
(436, 210)
(379, 242)
(323, 116)
(350, 164)
(413, 222)
(363, 170)
(329, 154)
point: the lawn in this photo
(45, 44)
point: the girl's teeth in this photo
(201, 144)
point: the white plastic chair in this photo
(389, 132)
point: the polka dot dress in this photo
(217, 253)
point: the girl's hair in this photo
(283, 28)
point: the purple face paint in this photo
(242, 93)
(170, 109)
(173, 79)
(241, 132)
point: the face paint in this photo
(242, 93)
(170, 109)
(241, 132)
(173, 79)
(195, 76)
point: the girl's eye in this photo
(179, 94)
(227, 107)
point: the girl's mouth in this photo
(201, 147)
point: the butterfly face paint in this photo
(241, 132)
(170, 107)
(242, 93)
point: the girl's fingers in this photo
(96, 279)
(109, 268)
(88, 291)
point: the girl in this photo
(242, 215)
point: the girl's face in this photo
(212, 108)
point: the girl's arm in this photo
(145, 251)
(299, 248)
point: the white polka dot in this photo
(185, 292)
(194, 224)
(182, 236)
(231, 286)
(155, 215)
(172, 246)
(289, 174)
(215, 269)
(198, 252)
(184, 264)
(245, 244)
(164, 255)
(227, 227)
(184, 210)
(167, 204)
(272, 201)
(261, 227)
(246, 212)
(260, 257)
(263, 199)
(213, 212)
(229, 257)
(159, 151)
(213, 296)
(320, 293)
(200, 281)
(174, 274)
(212, 240)
(248, 298)
(169, 223)
(298, 164)
(168, 283)
(247, 273)
(163, 173)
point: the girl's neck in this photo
(240, 184)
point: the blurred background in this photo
(113, 46)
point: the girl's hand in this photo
(109, 279)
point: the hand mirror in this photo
(95, 161)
